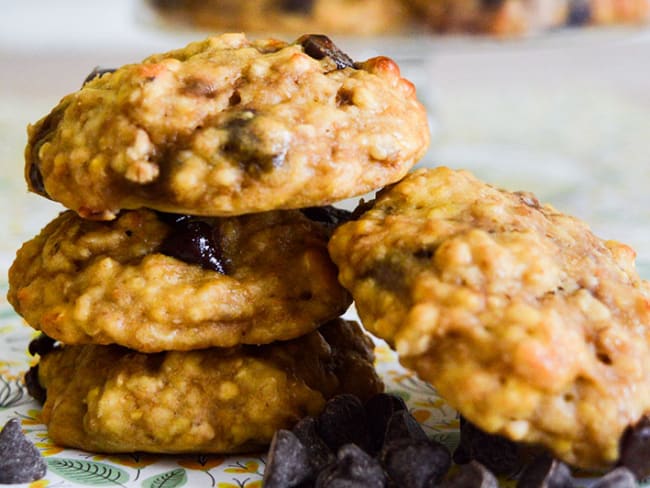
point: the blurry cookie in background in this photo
(496, 17)
(355, 17)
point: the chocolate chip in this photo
(353, 469)
(41, 345)
(635, 448)
(252, 146)
(97, 72)
(319, 454)
(46, 128)
(402, 425)
(172, 218)
(34, 388)
(474, 475)
(328, 215)
(20, 461)
(298, 6)
(319, 46)
(579, 12)
(617, 478)
(194, 242)
(288, 463)
(546, 472)
(343, 421)
(498, 454)
(415, 463)
(379, 410)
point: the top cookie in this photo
(228, 126)
(526, 322)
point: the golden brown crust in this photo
(86, 282)
(228, 126)
(521, 318)
(111, 399)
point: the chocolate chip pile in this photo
(355, 445)
(380, 444)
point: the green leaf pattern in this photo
(87, 472)
(169, 479)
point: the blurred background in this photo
(563, 113)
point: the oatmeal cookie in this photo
(154, 282)
(527, 323)
(112, 399)
(358, 17)
(229, 126)
(604, 12)
(500, 17)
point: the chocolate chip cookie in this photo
(525, 321)
(111, 399)
(358, 17)
(229, 126)
(152, 281)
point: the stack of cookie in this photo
(187, 296)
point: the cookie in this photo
(500, 17)
(111, 399)
(153, 282)
(605, 12)
(228, 126)
(526, 322)
(358, 17)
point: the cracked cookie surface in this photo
(134, 281)
(228, 126)
(527, 323)
(111, 399)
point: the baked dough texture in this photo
(111, 399)
(525, 321)
(83, 282)
(229, 126)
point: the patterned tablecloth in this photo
(570, 123)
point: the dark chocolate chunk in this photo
(635, 448)
(319, 454)
(44, 133)
(402, 425)
(34, 388)
(172, 218)
(20, 461)
(319, 46)
(41, 345)
(343, 421)
(472, 475)
(328, 215)
(546, 472)
(298, 6)
(379, 410)
(617, 478)
(579, 12)
(492, 4)
(287, 464)
(96, 73)
(251, 146)
(194, 242)
(498, 454)
(353, 469)
(415, 463)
